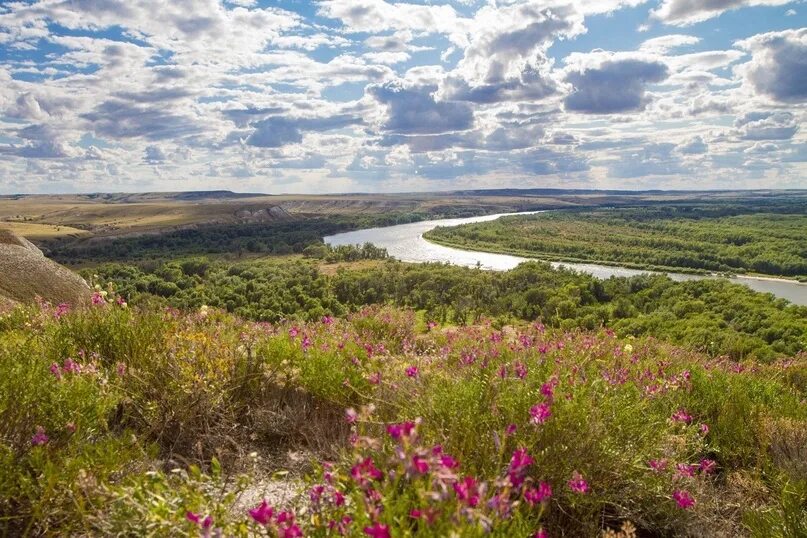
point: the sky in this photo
(294, 96)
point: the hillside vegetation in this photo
(119, 421)
(770, 240)
(713, 316)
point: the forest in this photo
(769, 239)
(713, 316)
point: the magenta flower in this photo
(40, 437)
(377, 531)
(578, 484)
(98, 299)
(521, 370)
(351, 415)
(327, 320)
(704, 429)
(365, 471)
(205, 523)
(374, 378)
(293, 332)
(467, 491)
(541, 534)
(658, 465)
(404, 429)
(708, 466)
(540, 413)
(61, 310)
(448, 462)
(683, 498)
(56, 370)
(412, 371)
(685, 469)
(262, 513)
(420, 464)
(548, 390)
(519, 462)
(538, 495)
(682, 416)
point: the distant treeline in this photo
(767, 238)
(712, 315)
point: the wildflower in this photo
(577, 483)
(684, 469)
(98, 299)
(431, 325)
(511, 429)
(707, 466)
(327, 320)
(467, 491)
(374, 378)
(519, 462)
(404, 429)
(40, 437)
(351, 415)
(681, 416)
(704, 429)
(293, 332)
(420, 464)
(56, 370)
(61, 310)
(306, 343)
(412, 371)
(548, 390)
(540, 413)
(262, 513)
(521, 370)
(71, 366)
(448, 462)
(538, 495)
(658, 465)
(365, 471)
(377, 531)
(683, 498)
(205, 522)
(120, 369)
(541, 534)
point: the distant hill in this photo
(25, 273)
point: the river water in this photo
(405, 242)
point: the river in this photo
(405, 242)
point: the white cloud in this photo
(778, 68)
(686, 12)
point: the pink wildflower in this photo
(541, 534)
(365, 471)
(467, 491)
(205, 522)
(61, 310)
(681, 416)
(658, 465)
(519, 462)
(420, 465)
(448, 462)
(540, 413)
(538, 495)
(262, 513)
(404, 429)
(704, 429)
(293, 332)
(351, 415)
(40, 437)
(708, 466)
(685, 469)
(56, 370)
(120, 369)
(683, 498)
(377, 531)
(412, 371)
(327, 320)
(374, 378)
(578, 484)
(511, 429)
(98, 299)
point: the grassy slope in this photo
(166, 387)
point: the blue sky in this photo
(381, 96)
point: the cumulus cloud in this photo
(611, 83)
(767, 126)
(414, 110)
(693, 146)
(686, 12)
(778, 68)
